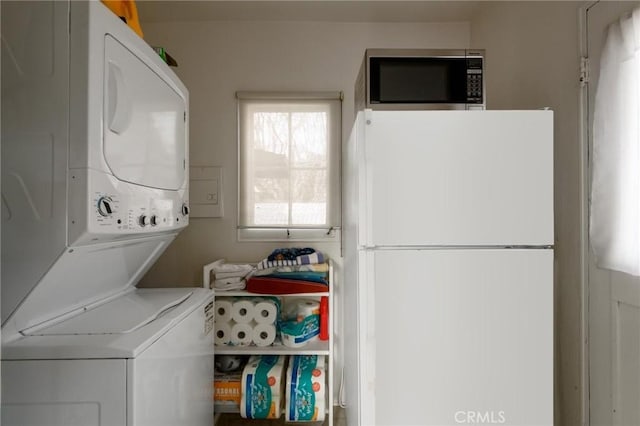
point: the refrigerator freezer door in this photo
(461, 337)
(468, 178)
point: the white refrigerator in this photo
(448, 239)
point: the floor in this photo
(339, 419)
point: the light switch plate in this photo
(205, 191)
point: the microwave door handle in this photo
(119, 104)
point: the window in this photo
(289, 165)
(615, 183)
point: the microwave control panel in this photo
(474, 80)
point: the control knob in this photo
(143, 220)
(185, 209)
(104, 206)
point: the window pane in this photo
(309, 213)
(271, 132)
(271, 213)
(309, 200)
(289, 163)
(309, 139)
(271, 201)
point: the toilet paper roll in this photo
(222, 333)
(292, 340)
(305, 395)
(317, 411)
(241, 334)
(305, 308)
(223, 310)
(296, 334)
(265, 312)
(248, 410)
(264, 334)
(263, 387)
(243, 311)
(271, 373)
(312, 361)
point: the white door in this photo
(614, 297)
(459, 178)
(144, 122)
(460, 337)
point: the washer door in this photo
(144, 122)
(122, 315)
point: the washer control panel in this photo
(118, 213)
(104, 208)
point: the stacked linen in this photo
(291, 270)
(263, 387)
(242, 321)
(229, 276)
(306, 395)
(291, 257)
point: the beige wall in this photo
(216, 59)
(533, 62)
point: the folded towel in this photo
(316, 277)
(227, 281)
(268, 285)
(289, 253)
(314, 267)
(226, 275)
(223, 270)
(305, 259)
(225, 285)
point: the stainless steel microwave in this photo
(424, 79)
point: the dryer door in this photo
(144, 122)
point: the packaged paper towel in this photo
(263, 387)
(305, 389)
(302, 323)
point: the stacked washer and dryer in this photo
(94, 188)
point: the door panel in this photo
(467, 178)
(463, 336)
(626, 387)
(144, 122)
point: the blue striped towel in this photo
(306, 259)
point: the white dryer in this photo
(94, 188)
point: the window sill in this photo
(283, 234)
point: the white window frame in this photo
(330, 231)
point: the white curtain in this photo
(615, 190)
